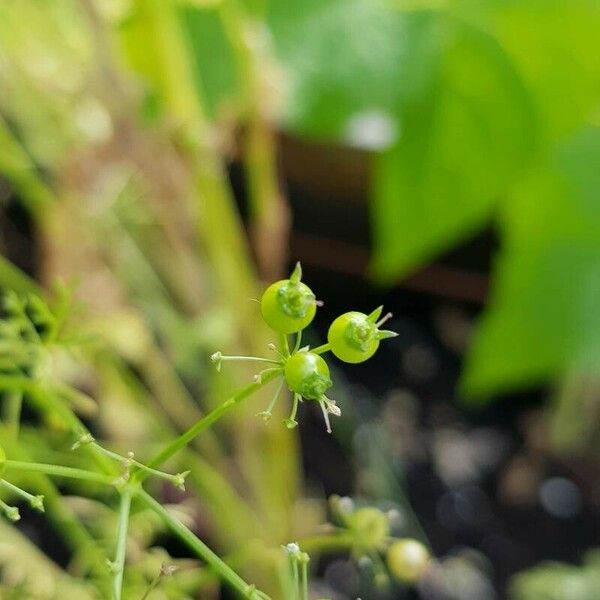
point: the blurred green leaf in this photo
(462, 144)
(554, 45)
(344, 58)
(543, 319)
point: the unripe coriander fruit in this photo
(288, 305)
(307, 374)
(370, 527)
(353, 337)
(2, 461)
(407, 560)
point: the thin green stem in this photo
(152, 586)
(121, 548)
(36, 502)
(268, 413)
(131, 461)
(304, 580)
(295, 576)
(250, 359)
(284, 344)
(222, 569)
(291, 422)
(321, 349)
(59, 471)
(11, 512)
(298, 341)
(185, 438)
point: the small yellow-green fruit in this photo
(370, 527)
(307, 374)
(353, 337)
(288, 306)
(407, 560)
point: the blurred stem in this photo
(222, 569)
(304, 580)
(13, 402)
(11, 277)
(219, 227)
(268, 210)
(46, 401)
(20, 170)
(143, 281)
(20, 493)
(295, 577)
(221, 236)
(58, 471)
(327, 543)
(131, 461)
(211, 418)
(66, 523)
(153, 585)
(121, 548)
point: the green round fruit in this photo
(407, 560)
(353, 338)
(288, 306)
(370, 527)
(307, 374)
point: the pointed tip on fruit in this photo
(375, 314)
(386, 334)
(296, 275)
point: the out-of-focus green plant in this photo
(559, 581)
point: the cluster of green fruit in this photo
(288, 306)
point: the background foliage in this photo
(117, 121)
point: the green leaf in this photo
(558, 58)
(543, 321)
(344, 58)
(463, 142)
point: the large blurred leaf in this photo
(554, 45)
(462, 142)
(345, 57)
(543, 320)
